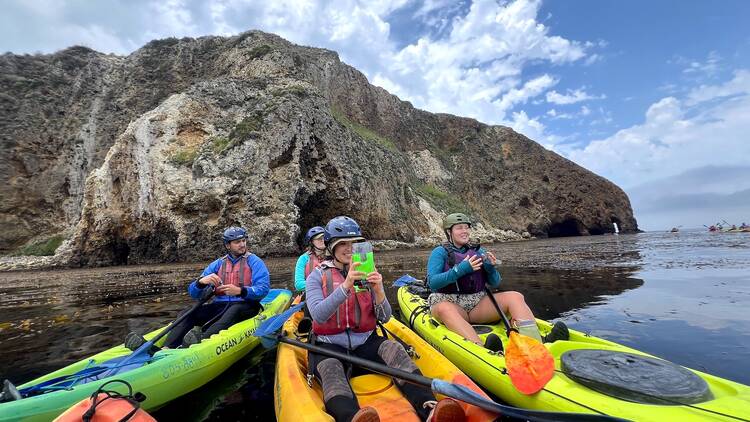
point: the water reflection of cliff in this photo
(551, 293)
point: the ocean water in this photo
(681, 296)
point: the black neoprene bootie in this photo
(492, 342)
(192, 337)
(559, 332)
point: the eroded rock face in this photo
(183, 138)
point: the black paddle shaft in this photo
(508, 328)
(364, 363)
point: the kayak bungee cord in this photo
(422, 310)
(503, 371)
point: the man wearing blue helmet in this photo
(313, 256)
(239, 279)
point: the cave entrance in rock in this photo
(120, 252)
(568, 227)
(315, 210)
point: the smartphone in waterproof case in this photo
(362, 252)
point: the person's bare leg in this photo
(512, 303)
(456, 319)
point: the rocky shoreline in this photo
(23, 263)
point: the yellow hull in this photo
(296, 401)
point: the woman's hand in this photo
(353, 275)
(375, 279)
(475, 261)
(491, 258)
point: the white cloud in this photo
(709, 67)
(709, 126)
(530, 89)
(571, 97)
(475, 67)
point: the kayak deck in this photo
(731, 400)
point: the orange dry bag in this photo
(108, 405)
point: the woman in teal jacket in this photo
(457, 273)
(314, 255)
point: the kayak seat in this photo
(635, 378)
(482, 329)
(370, 384)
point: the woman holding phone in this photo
(457, 272)
(344, 320)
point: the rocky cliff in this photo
(146, 158)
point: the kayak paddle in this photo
(530, 365)
(269, 331)
(142, 355)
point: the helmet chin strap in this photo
(450, 238)
(319, 251)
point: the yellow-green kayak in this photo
(717, 398)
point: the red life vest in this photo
(357, 313)
(312, 262)
(238, 274)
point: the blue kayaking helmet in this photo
(312, 233)
(234, 233)
(341, 228)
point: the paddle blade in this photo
(272, 325)
(530, 365)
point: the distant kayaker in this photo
(345, 310)
(240, 280)
(457, 272)
(313, 256)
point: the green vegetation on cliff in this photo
(440, 199)
(362, 131)
(42, 248)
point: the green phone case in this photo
(367, 265)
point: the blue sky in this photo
(653, 95)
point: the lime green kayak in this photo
(569, 391)
(169, 374)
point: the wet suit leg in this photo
(381, 350)
(237, 311)
(201, 316)
(338, 396)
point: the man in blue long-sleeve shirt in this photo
(240, 280)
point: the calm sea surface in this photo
(681, 296)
